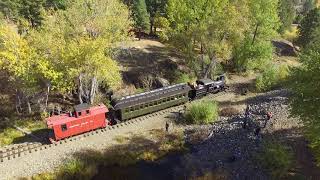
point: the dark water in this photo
(159, 170)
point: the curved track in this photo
(18, 150)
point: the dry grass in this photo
(121, 139)
(228, 111)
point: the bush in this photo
(276, 158)
(202, 112)
(181, 77)
(9, 135)
(291, 35)
(248, 56)
(271, 77)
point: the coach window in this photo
(131, 109)
(64, 127)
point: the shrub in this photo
(276, 158)
(77, 169)
(248, 56)
(291, 35)
(181, 77)
(202, 112)
(271, 77)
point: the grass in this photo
(272, 77)
(9, 135)
(276, 158)
(85, 165)
(203, 112)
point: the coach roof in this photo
(151, 95)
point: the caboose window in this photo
(79, 113)
(64, 127)
(88, 111)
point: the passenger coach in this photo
(152, 101)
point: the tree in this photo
(140, 15)
(286, 14)
(155, 8)
(207, 31)
(309, 5)
(32, 11)
(264, 19)
(10, 8)
(308, 27)
(56, 4)
(76, 44)
(21, 62)
(306, 98)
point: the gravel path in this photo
(231, 147)
(48, 159)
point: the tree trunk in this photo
(151, 28)
(255, 34)
(94, 86)
(18, 102)
(210, 66)
(29, 107)
(47, 97)
(80, 90)
(139, 34)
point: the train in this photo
(84, 118)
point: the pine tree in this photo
(141, 16)
(309, 26)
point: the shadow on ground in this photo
(151, 60)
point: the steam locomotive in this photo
(85, 118)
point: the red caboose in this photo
(83, 119)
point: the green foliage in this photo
(276, 158)
(9, 135)
(271, 77)
(80, 40)
(248, 56)
(155, 8)
(264, 19)
(305, 100)
(286, 14)
(309, 27)
(181, 77)
(291, 34)
(203, 112)
(140, 14)
(77, 169)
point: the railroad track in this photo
(18, 150)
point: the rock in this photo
(161, 82)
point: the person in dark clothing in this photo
(245, 120)
(269, 116)
(257, 131)
(167, 126)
